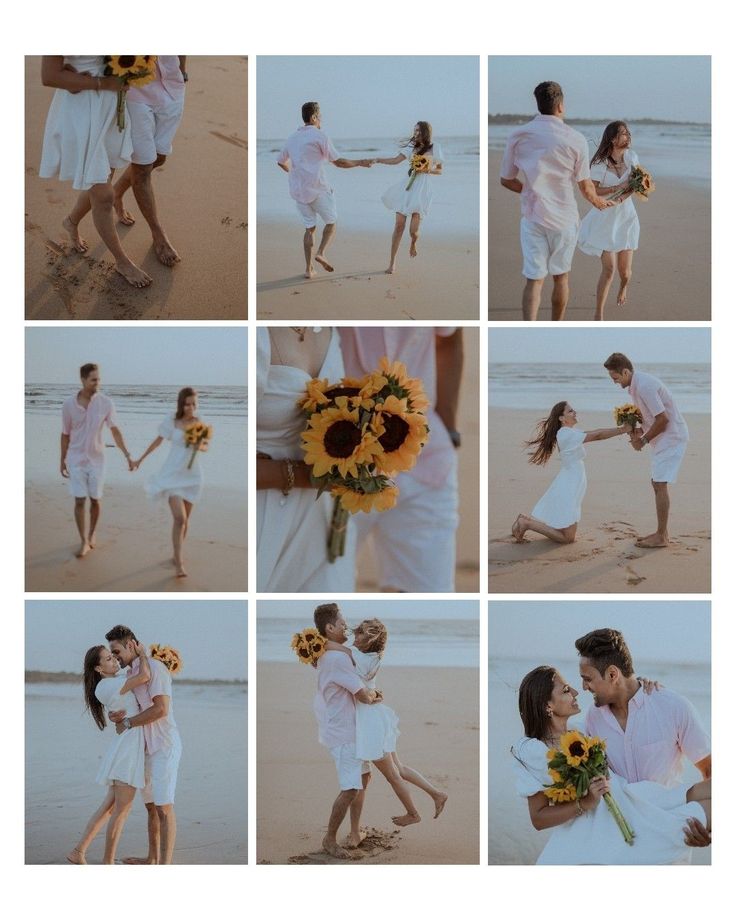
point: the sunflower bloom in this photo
(315, 395)
(560, 795)
(401, 435)
(354, 501)
(334, 441)
(575, 746)
(413, 386)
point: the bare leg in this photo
(308, 247)
(558, 534)
(328, 235)
(177, 530)
(120, 188)
(95, 506)
(337, 814)
(560, 296)
(154, 841)
(414, 234)
(389, 769)
(81, 522)
(416, 778)
(396, 241)
(167, 822)
(124, 796)
(92, 829)
(604, 284)
(143, 191)
(71, 223)
(625, 260)
(188, 508)
(356, 808)
(101, 197)
(531, 298)
(660, 537)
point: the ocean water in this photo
(200, 695)
(666, 150)
(214, 402)
(588, 387)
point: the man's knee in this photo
(151, 808)
(560, 279)
(660, 487)
(95, 502)
(164, 811)
(350, 794)
(79, 502)
(141, 174)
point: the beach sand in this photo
(296, 776)
(671, 268)
(618, 506)
(206, 176)
(211, 794)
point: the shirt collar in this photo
(637, 700)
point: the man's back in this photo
(308, 149)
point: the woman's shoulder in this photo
(109, 686)
(530, 751)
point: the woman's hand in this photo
(649, 686)
(599, 786)
(140, 649)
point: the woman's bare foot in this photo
(391, 269)
(181, 572)
(76, 857)
(621, 299)
(309, 273)
(353, 841)
(72, 229)
(405, 820)
(124, 216)
(324, 263)
(133, 275)
(83, 550)
(518, 529)
(165, 252)
(439, 803)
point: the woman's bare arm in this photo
(602, 434)
(149, 450)
(273, 474)
(143, 675)
(60, 76)
(390, 161)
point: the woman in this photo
(557, 513)
(612, 234)
(584, 831)
(122, 767)
(377, 728)
(82, 144)
(414, 201)
(179, 481)
(293, 521)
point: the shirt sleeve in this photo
(437, 156)
(329, 150)
(107, 688)
(569, 439)
(582, 161)
(263, 361)
(692, 738)
(648, 393)
(112, 416)
(66, 420)
(160, 682)
(283, 156)
(509, 169)
(345, 675)
(166, 428)
(530, 767)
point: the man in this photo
(664, 430)
(303, 157)
(155, 111)
(83, 417)
(648, 735)
(551, 159)
(162, 745)
(414, 542)
(338, 687)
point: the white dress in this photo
(419, 197)
(291, 548)
(174, 478)
(614, 229)
(82, 142)
(376, 724)
(124, 760)
(560, 504)
(655, 813)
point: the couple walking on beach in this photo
(144, 754)
(648, 732)
(544, 161)
(84, 143)
(664, 432)
(303, 157)
(178, 482)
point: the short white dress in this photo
(376, 724)
(560, 506)
(419, 197)
(174, 477)
(82, 142)
(655, 813)
(614, 229)
(124, 760)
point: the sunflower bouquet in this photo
(360, 433)
(168, 656)
(628, 415)
(129, 68)
(419, 163)
(640, 183)
(309, 645)
(579, 759)
(198, 437)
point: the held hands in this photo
(116, 716)
(378, 698)
(696, 834)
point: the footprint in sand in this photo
(374, 844)
(633, 578)
(230, 139)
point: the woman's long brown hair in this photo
(425, 138)
(91, 678)
(534, 694)
(546, 435)
(605, 148)
(182, 398)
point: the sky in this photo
(668, 87)
(142, 355)
(446, 609)
(667, 631)
(211, 636)
(577, 345)
(364, 97)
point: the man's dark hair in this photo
(618, 362)
(309, 109)
(120, 634)
(549, 97)
(606, 647)
(86, 369)
(324, 614)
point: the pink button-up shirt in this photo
(551, 157)
(362, 349)
(662, 731)
(334, 703)
(83, 426)
(168, 86)
(308, 149)
(163, 732)
(652, 397)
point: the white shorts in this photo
(666, 463)
(324, 206)
(350, 770)
(153, 129)
(546, 252)
(162, 768)
(86, 482)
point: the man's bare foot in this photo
(76, 857)
(653, 541)
(72, 229)
(92, 541)
(324, 263)
(309, 273)
(439, 803)
(413, 249)
(166, 253)
(138, 861)
(334, 849)
(124, 216)
(405, 820)
(133, 275)
(391, 269)
(353, 841)
(83, 550)
(621, 299)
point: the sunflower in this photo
(354, 501)
(397, 374)
(401, 435)
(575, 746)
(334, 440)
(138, 68)
(556, 777)
(373, 384)
(315, 395)
(565, 794)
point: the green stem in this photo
(338, 529)
(618, 816)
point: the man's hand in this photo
(64, 470)
(366, 163)
(116, 715)
(603, 203)
(696, 834)
(378, 698)
(636, 443)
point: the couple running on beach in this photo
(544, 161)
(303, 157)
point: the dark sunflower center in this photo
(126, 60)
(395, 433)
(341, 438)
(334, 392)
(577, 749)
